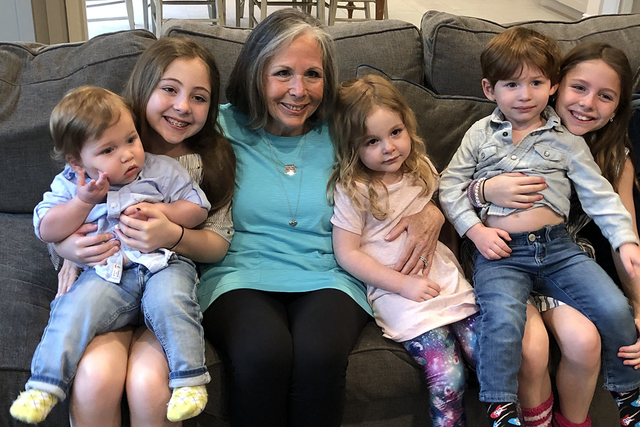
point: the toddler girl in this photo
(383, 175)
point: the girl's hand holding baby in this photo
(631, 353)
(630, 257)
(419, 288)
(147, 229)
(67, 276)
(90, 250)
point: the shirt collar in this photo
(498, 120)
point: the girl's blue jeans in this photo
(167, 301)
(549, 262)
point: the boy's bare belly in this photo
(529, 220)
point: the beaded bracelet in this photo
(474, 188)
(470, 192)
(179, 240)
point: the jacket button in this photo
(505, 133)
(513, 157)
(547, 154)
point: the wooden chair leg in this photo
(132, 23)
(263, 10)
(221, 5)
(145, 11)
(333, 8)
(320, 10)
(158, 17)
(252, 18)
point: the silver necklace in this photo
(289, 168)
(274, 156)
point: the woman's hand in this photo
(423, 230)
(145, 228)
(67, 276)
(631, 353)
(87, 250)
(513, 190)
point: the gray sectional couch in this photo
(437, 68)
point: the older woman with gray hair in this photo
(280, 310)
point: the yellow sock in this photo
(33, 406)
(186, 402)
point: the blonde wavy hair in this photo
(357, 99)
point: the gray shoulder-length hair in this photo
(246, 88)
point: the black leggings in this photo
(286, 354)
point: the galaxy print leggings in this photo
(438, 353)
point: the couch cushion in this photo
(442, 119)
(452, 45)
(391, 45)
(34, 79)
(27, 286)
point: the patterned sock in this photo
(186, 402)
(629, 406)
(503, 414)
(539, 416)
(560, 421)
(33, 406)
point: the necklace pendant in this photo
(293, 223)
(290, 170)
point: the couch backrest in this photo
(33, 78)
(452, 45)
(392, 45)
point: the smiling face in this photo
(387, 145)
(179, 105)
(118, 152)
(521, 98)
(588, 96)
(294, 86)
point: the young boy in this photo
(525, 250)
(106, 172)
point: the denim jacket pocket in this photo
(548, 157)
(487, 156)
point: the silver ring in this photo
(424, 261)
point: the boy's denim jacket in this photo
(550, 151)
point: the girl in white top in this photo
(383, 175)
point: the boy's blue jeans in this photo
(166, 299)
(549, 262)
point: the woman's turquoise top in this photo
(266, 252)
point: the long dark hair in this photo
(218, 158)
(609, 144)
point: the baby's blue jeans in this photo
(166, 300)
